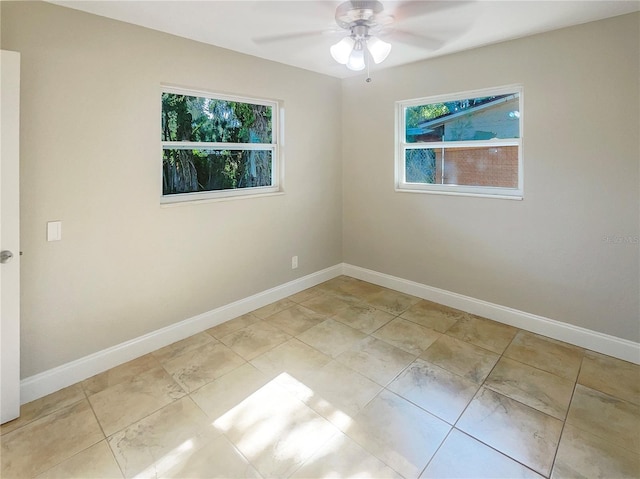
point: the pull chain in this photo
(367, 58)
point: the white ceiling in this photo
(454, 25)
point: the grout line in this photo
(564, 422)
(239, 452)
(73, 455)
(106, 438)
(436, 452)
(500, 452)
(37, 418)
(482, 386)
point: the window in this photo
(217, 146)
(469, 143)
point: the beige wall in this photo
(90, 144)
(126, 266)
(547, 254)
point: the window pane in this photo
(189, 171)
(420, 166)
(190, 118)
(463, 120)
(487, 166)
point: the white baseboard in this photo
(52, 380)
(47, 382)
(585, 338)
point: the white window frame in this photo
(275, 147)
(401, 185)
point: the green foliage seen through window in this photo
(214, 167)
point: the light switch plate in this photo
(54, 230)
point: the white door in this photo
(9, 236)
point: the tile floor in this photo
(346, 379)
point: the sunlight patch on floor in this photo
(276, 428)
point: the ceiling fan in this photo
(364, 22)
(362, 19)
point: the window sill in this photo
(518, 197)
(168, 202)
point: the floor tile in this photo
(41, 444)
(432, 315)
(295, 320)
(407, 335)
(336, 284)
(553, 356)
(46, 405)
(483, 332)
(232, 325)
(362, 289)
(127, 402)
(583, 455)
(331, 337)
(338, 288)
(153, 445)
(184, 346)
(202, 365)
(293, 358)
(539, 389)
(376, 359)
(327, 304)
(393, 302)
(95, 462)
(255, 339)
(609, 418)
(462, 358)
(338, 393)
(275, 431)
(226, 392)
(522, 433)
(363, 317)
(462, 456)
(434, 389)
(302, 296)
(122, 373)
(611, 376)
(342, 457)
(216, 458)
(273, 308)
(398, 433)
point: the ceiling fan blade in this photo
(428, 43)
(288, 37)
(419, 8)
(322, 9)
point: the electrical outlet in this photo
(294, 262)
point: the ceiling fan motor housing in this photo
(359, 14)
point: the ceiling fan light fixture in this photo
(356, 59)
(341, 51)
(379, 49)
(364, 19)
